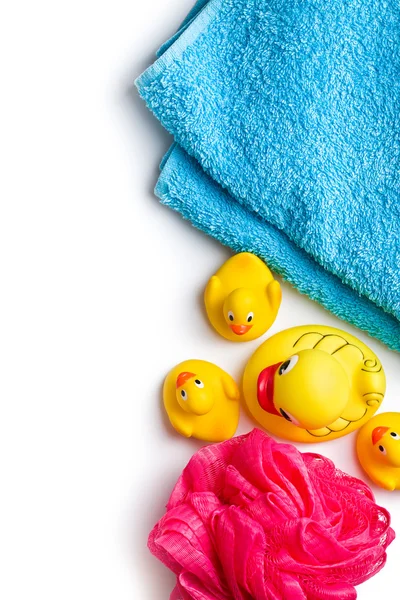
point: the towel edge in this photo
(189, 34)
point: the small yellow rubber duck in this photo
(242, 299)
(202, 401)
(378, 450)
(313, 383)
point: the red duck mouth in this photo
(265, 389)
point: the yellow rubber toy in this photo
(313, 383)
(378, 450)
(242, 299)
(202, 401)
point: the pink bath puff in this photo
(251, 518)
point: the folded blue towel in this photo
(287, 116)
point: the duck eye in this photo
(285, 415)
(288, 365)
(382, 449)
(184, 394)
(395, 435)
(231, 316)
(250, 317)
(198, 383)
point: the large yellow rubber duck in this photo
(242, 299)
(313, 383)
(202, 401)
(378, 450)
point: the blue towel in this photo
(286, 116)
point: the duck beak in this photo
(265, 389)
(183, 378)
(378, 434)
(240, 329)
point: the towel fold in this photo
(286, 115)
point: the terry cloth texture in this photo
(286, 116)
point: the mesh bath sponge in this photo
(252, 518)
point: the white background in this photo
(100, 296)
